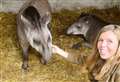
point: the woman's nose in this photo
(104, 44)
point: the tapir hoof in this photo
(43, 61)
(25, 66)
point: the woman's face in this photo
(107, 44)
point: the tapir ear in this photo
(84, 14)
(46, 18)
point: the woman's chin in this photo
(104, 57)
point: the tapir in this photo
(87, 25)
(33, 23)
(33, 29)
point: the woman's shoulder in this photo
(117, 77)
(118, 70)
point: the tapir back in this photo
(41, 5)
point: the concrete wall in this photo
(57, 5)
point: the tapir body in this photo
(33, 29)
(87, 25)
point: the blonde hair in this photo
(100, 67)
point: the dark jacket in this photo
(114, 77)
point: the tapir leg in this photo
(79, 44)
(24, 45)
(25, 57)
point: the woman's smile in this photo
(107, 44)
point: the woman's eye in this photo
(109, 41)
(100, 40)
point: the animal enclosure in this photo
(58, 69)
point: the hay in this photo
(58, 69)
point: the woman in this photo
(104, 63)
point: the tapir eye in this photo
(48, 25)
(78, 26)
(87, 22)
(43, 48)
(37, 42)
(85, 19)
(49, 39)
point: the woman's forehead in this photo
(108, 35)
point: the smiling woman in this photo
(107, 44)
(104, 63)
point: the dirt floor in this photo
(58, 69)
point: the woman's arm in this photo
(61, 52)
(69, 56)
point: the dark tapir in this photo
(87, 25)
(32, 27)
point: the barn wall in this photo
(57, 5)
